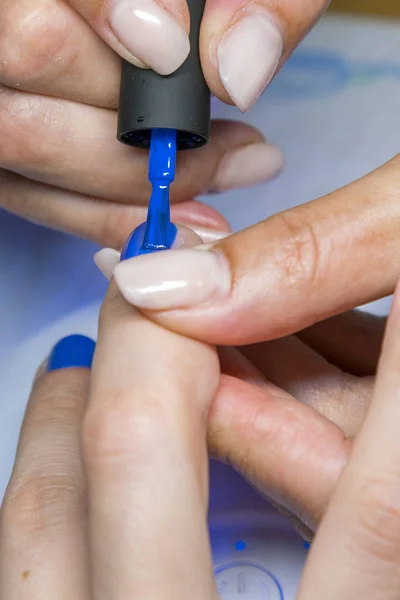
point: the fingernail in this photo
(248, 56)
(150, 33)
(74, 351)
(106, 259)
(173, 279)
(248, 165)
(134, 245)
(209, 235)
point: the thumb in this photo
(282, 275)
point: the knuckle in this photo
(43, 503)
(123, 429)
(297, 258)
(32, 45)
(379, 519)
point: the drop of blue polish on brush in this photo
(158, 233)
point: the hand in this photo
(287, 411)
(356, 550)
(60, 162)
(278, 277)
(242, 43)
(126, 517)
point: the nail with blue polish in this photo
(74, 351)
(134, 245)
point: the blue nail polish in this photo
(72, 351)
(134, 244)
(158, 233)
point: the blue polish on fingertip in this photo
(74, 351)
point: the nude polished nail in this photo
(248, 56)
(173, 279)
(150, 33)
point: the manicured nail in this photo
(248, 165)
(150, 33)
(74, 351)
(248, 56)
(106, 259)
(173, 279)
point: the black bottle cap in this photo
(178, 101)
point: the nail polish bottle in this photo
(180, 101)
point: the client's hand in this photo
(108, 497)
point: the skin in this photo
(60, 164)
(300, 266)
(293, 18)
(93, 504)
(82, 512)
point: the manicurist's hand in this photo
(243, 43)
(60, 162)
(108, 497)
(287, 410)
(282, 275)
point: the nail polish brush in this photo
(164, 114)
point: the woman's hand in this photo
(60, 162)
(108, 497)
(242, 42)
(286, 273)
(356, 550)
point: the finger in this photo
(352, 340)
(146, 458)
(144, 32)
(235, 364)
(289, 452)
(103, 222)
(362, 525)
(244, 43)
(73, 146)
(292, 366)
(282, 275)
(49, 49)
(108, 258)
(43, 546)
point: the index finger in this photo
(145, 451)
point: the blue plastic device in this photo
(158, 233)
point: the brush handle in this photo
(179, 101)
